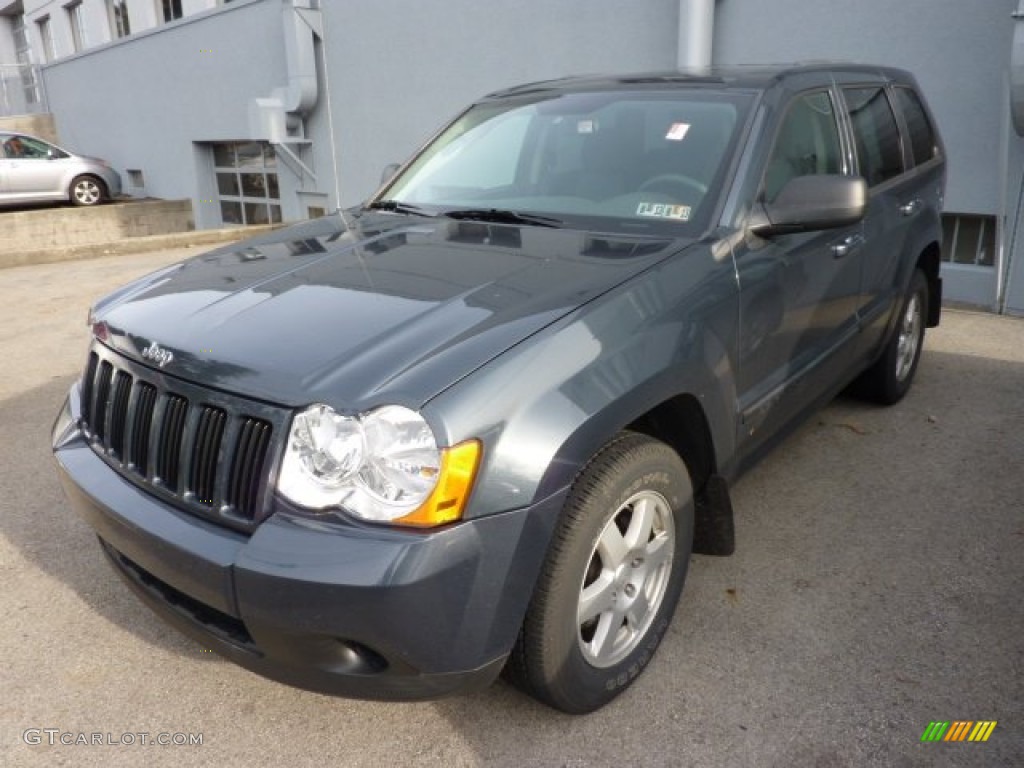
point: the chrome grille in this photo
(200, 449)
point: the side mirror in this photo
(809, 203)
(389, 172)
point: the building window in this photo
(46, 35)
(77, 23)
(968, 239)
(119, 24)
(247, 189)
(171, 9)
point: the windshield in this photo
(634, 160)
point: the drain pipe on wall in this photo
(1005, 276)
(281, 118)
(696, 33)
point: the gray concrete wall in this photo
(143, 15)
(1014, 274)
(391, 73)
(959, 52)
(68, 227)
(142, 101)
(398, 70)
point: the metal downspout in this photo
(301, 23)
(281, 117)
(696, 33)
(1005, 278)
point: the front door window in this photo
(807, 144)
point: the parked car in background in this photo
(35, 171)
(482, 421)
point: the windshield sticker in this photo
(585, 126)
(664, 211)
(677, 131)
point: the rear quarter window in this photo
(919, 128)
(877, 138)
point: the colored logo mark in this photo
(959, 730)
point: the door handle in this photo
(909, 209)
(844, 246)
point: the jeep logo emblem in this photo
(157, 354)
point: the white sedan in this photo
(33, 170)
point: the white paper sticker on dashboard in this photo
(664, 211)
(677, 131)
(585, 126)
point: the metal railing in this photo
(21, 90)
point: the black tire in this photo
(889, 379)
(87, 190)
(578, 665)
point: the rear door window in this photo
(919, 128)
(875, 134)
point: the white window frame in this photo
(981, 251)
(268, 167)
(23, 54)
(76, 21)
(44, 26)
(120, 20)
(161, 8)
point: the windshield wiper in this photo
(397, 206)
(499, 216)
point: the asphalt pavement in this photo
(877, 587)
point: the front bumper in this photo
(355, 610)
(113, 181)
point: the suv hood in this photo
(355, 310)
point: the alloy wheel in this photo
(626, 578)
(87, 192)
(909, 338)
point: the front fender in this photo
(546, 406)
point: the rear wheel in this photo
(87, 190)
(612, 578)
(889, 379)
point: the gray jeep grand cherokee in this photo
(481, 422)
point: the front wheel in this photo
(87, 190)
(889, 379)
(612, 578)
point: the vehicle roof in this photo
(743, 77)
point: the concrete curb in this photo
(130, 245)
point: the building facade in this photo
(271, 110)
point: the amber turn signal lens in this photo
(454, 483)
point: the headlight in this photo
(383, 465)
